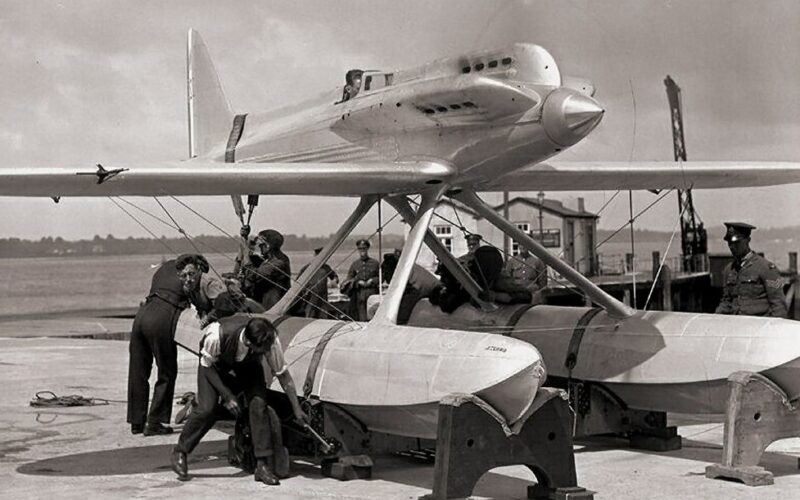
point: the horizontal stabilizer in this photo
(198, 177)
(601, 176)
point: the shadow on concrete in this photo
(493, 484)
(780, 464)
(125, 461)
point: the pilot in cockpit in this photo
(352, 84)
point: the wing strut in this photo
(283, 305)
(390, 305)
(614, 307)
(400, 203)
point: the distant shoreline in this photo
(11, 248)
(112, 246)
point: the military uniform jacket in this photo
(753, 287)
(364, 270)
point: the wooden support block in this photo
(599, 411)
(471, 442)
(751, 475)
(666, 439)
(758, 413)
(538, 492)
(347, 468)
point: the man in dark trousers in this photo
(313, 301)
(238, 354)
(152, 336)
(753, 285)
(362, 281)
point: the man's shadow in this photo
(127, 461)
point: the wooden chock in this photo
(471, 442)
(758, 413)
(599, 411)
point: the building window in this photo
(445, 235)
(525, 227)
(550, 238)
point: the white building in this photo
(567, 233)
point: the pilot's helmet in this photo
(273, 237)
(737, 231)
(351, 76)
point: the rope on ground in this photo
(49, 398)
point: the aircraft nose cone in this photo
(582, 114)
(569, 116)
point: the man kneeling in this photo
(238, 354)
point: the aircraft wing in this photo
(601, 175)
(194, 177)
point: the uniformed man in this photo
(238, 354)
(526, 271)
(473, 244)
(361, 282)
(752, 286)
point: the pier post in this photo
(666, 288)
(656, 262)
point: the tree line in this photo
(49, 246)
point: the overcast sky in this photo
(103, 81)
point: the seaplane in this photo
(480, 122)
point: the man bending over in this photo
(238, 354)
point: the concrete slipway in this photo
(88, 451)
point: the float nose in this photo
(569, 116)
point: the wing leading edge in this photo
(213, 178)
(600, 176)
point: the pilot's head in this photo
(270, 240)
(353, 78)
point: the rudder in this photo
(210, 114)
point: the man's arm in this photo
(725, 304)
(773, 285)
(209, 351)
(275, 362)
(287, 383)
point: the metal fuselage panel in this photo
(485, 123)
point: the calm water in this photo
(56, 284)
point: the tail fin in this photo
(210, 115)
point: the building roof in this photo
(458, 206)
(551, 206)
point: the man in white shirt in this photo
(238, 354)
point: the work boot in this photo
(264, 475)
(179, 465)
(157, 429)
(137, 428)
